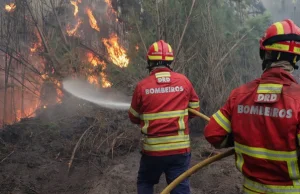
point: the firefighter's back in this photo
(168, 92)
(264, 123)
(163, 108)
(160, 105)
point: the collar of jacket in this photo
(277, 75)
(161, 69)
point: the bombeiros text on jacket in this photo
(264, 111)
(162, 90)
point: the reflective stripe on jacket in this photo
(160, 105)
(263, 117)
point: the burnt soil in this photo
(35, 155)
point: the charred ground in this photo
(36, 153)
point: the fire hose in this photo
(198, 166)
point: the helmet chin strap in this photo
(274, 58)
(160, 64)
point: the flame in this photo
(45, 76)
(59, 93)
(105, 82)
(93, 21)
(137, 47)
(10, 7)
(93, 79)
(74, 3)
(18, 115)
(95, 61)
(111, 9)
(28, 112)
(70, 31)
(30, 102)
(108, 3)
(38, 44)
(116, 52)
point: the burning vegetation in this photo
(93, 21)
(116, 52)
(110, 8)
(10, 7)
(93, 79)
(72, 31)
(46, 63)
(37, 44)
(75, 4)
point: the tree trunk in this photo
(158, 20)
(22, 91)
(166, 20)
(5, 90)
(12, 98)
(6, 70)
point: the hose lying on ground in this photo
(198, 166)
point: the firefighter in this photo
(261, 118)
(160, 106)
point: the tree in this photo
(219, 47)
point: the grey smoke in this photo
(283, 9)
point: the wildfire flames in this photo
(37, 44)
(116, 52)
(93, 79)
(93, 21)
(10, 7)
(74, 3)
(109, 4)
(95, 61)
(59, 93)
(58, 86)
(27, 113)
(70, 31)
(105, 83)
(95, 73)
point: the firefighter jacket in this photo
(263, 118)
(160, 105)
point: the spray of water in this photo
(108, 98)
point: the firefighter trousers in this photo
(152, 167)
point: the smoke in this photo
(108, 97)
(283, 9)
